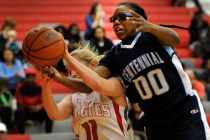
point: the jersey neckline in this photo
(133, 42)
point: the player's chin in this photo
(120, 35)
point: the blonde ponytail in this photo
(86, 54)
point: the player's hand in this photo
(45, 78)
(143, 24)
(53, 73)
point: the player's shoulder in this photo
(149, 39)
(148, 36)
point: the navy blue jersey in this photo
(152, 73)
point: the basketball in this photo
(43, 46)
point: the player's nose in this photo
(74, 74)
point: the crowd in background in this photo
(20, 93)
(18, 82)
(199, 44)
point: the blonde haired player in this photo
(95, 116)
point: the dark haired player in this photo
(153, 76)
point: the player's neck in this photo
(129, 40)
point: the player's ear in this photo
(93, 64)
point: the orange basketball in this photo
(43, 46)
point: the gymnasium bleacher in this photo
(31, 13)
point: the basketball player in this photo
(95, 116)
(153, 76)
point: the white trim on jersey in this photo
(203, 115)
(133, 43)
(184, 77)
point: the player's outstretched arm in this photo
(166, 36)
(60, 111)
(78, 84)
(72, 83)
(109, 87)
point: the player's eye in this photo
(120, 17)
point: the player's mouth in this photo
(118, 30)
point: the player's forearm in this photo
(74, 84)
(50, 105)
(91, 78)
(165, 35)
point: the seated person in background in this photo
(5, 103)
(205, 77)
(3, 131)
(11, 69)
(182, 2)
(99, 42)
(197, 85)
(205, 47)
(137, 122)
(201, 48)
(11, 41)
(93, 19)
(29, 101)
(61, 29)
(199, 30)
(9, 24)
(73, 37)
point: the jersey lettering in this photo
(106, 110)
(154, 77)
(140, 63)
(97, 109)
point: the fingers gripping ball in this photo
(43, 46)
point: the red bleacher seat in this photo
(19, 137)
(30, 13)
(208, 118)
(198, 62)
(184, 52)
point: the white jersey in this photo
(97, 117)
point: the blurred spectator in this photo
(137, 122)
(11, 69)
(5, 103)
(74, 33)
(74, 37)
(199, 26)
(182, 2)
(93, 19)
(205, 77)
(3, 131)
(100, 43)
(30, 105)
(199, 31)
(205, 47)
(196, 84)
(11, 41)
(61, 29)
(9, 24)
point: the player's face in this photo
(123, 29)
(74, 73)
